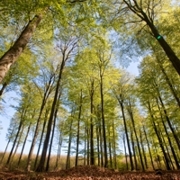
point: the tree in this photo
(39, 9)
(146, 13)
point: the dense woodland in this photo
(64, 59)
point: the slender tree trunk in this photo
(78, 129)
(92, 160)
(168, 137)
(40, 167)
(121, 103)
(137, 9)
(41, 138)
(114, 148)
(158, 136)
(110, 148)
(166, 148)
(18, 143)
(69, 145)
(4, 85)
(101, 146)
(129, 109)
(65, 56)
(125, 153)
(149, 149)
(47, 92)
(53, 130)
(143, 150)
(15, 51)
(15, 141)
(85, 146)
(98, 146)
(134, 152)
(88, 144)
(169, 83)
(103, 120)
(169, 122)
(24, 143)
(51, 141)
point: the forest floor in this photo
(89, 173)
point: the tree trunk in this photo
(88, 142)
(40, 167)
(103, 120)
(124, 142)
(18, 143)
(65, 56)
(92, 160)
(15, 141)
(4, 85)
(143, 150)
(159, 138)
(168, 137)
(134, 152)
(120, 100)
(44, 100)
(114, 148)
(137, 9)
(101, 146)
(78, 129)
(15, 51)
(149, 149)
(98, 145)
(110, 148)
(24, 143)
(69, 145)
(51, 141)
(129, 109)
(168, 120)
(169, 83)
(41, 138)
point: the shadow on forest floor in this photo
(89, 173)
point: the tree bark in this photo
(159, 137)
(41, 138)
(69, 145)
(65, 56)
(169, 83)
(137, 9)
(44, 100)
(168, 137)
(103, 119)
(129, 109)
(24, 143)
(92, 160)
(15, 51)
(149, 149)
(78, 129)
(121, 103)
(167, 117)
(15, 141)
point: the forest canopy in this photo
(64, 61)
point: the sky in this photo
(8, 112)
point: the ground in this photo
(89, 173)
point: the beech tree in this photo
(33, 14)
(146, 14)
